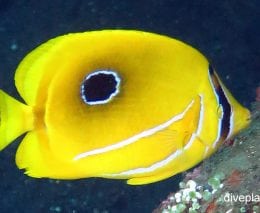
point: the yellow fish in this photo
(119, 104)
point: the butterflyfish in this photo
(120, 104)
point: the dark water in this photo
(226, 31)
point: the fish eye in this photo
(100, 87)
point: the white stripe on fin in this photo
(134, 138)
(151, 168)
(171, 157)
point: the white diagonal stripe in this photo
(134, 138)
(171, 157)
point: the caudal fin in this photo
(15, 119)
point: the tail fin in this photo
(15, 119)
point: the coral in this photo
(226, 182)
(234, 179)
(257, 98)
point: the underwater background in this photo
(227, 32)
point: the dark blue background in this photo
(227, 32)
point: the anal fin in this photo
(150, 179)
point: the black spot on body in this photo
(98, 87)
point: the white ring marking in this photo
(118, 81)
